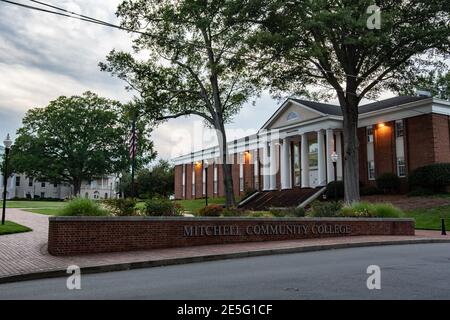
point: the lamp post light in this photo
(334, 159)
(206, 164)
(120, 185)
(7, 143)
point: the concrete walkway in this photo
(24, 256)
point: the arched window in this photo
(292, 116)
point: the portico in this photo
(304, 159)
(298, 142)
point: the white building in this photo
(21, 186)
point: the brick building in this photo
(293, 148)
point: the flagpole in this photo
(133, 154)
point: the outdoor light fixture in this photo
(334, 158)
(380, 125)
(7, 143)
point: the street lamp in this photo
(334, 159)
(7, 143)
(120, 185)
(206, 164)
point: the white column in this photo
(285, 165)
(273, 165)
(339, 153)
(304, 163)
(322, 177)
(330, 149)
(266, 167)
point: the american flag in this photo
(133, 144)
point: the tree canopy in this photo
(349, 48)
(193, 64)
(74, 139)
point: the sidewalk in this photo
(24, 256)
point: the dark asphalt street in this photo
(407, 272)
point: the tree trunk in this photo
(76, 187)
(226, 167)
(351, 151)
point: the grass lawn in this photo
(11, 227)
(33, 204)
(43, 207)
(430, 219)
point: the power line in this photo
(73, 15)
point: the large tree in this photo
(436, 83)
(156, 181)
(342, 46)
(192, 65)
(74, 139)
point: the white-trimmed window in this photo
(241, 171)
(400, 148)
(371, 169)
(183, 181)
(193, 180)
(215, 187)
(370, 153)
(399, 128)
(401, 167)
(204, 180)
(256, 172)
(370, 134)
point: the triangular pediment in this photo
(291, 112)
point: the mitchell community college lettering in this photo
(265, 229)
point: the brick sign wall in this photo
(81, 235)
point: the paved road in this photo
(407, 271)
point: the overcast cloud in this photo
(43, 56)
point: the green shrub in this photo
(213, 210)
(232, 212)
(419, 191)
(366, 209)
(162, 207)
(434, 177)
(121, 207)
(324, 209)
(287, 212)
(388, 182)
(330, 192)
(357, 209)
(369, 190)
(83, 207)
(259, 214)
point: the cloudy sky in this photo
(43, 56)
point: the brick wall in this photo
(384, 148)
(441, 138)
(84, 235)
(419, 140)
(179, 181)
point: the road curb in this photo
(206, 258)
